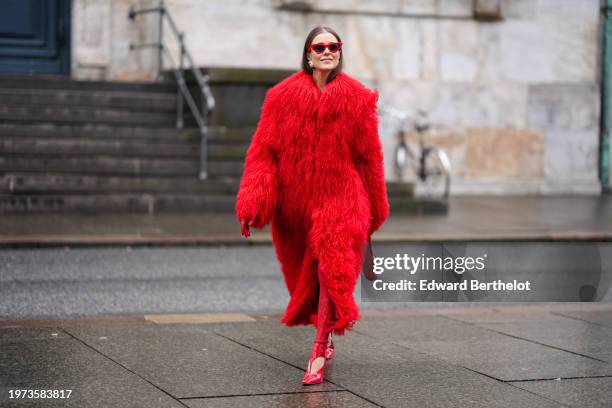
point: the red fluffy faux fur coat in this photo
(314, 169)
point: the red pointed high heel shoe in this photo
(320, 348)
(315, 377)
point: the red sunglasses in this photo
(319, 48)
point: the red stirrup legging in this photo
(324, 316)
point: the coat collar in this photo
(299, 92)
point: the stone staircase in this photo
(89, 147)
(69, 146)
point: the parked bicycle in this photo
(430, 164)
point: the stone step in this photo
(418, 206)
(117, 148)
(30, 185)
(396, 189)
(24, 183)
(131, 101)
(402, 201)
(123, 166)
(117, 203)
(89, 115)
(34, 182)
(63, 83)
(217, 134)
(239, 93)
(238, 76)
(164, 202)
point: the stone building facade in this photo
(512, 87)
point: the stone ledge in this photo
(219, 75)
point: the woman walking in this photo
(314, 170)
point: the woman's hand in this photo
(246, 224)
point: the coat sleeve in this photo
(369, 163)
(258, 190)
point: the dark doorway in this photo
(35, 37)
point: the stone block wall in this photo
(514, 101)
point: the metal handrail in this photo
(208, 101)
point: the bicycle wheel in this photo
(403, 157)
(434, 175)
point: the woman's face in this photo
(327, 60)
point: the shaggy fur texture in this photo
(314, 169)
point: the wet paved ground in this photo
(556, 355)
(145, 341)
(469, 217)
(90, 281)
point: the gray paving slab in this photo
(432, 384)
(603, 317)
(573, 335)
(424, 328)
(514, 359)
(384, 373)
(504, 317)
(607, 356)
(66, 363)
(293, 344)
(307, 399)
(574, 392)
(494, 354)
(190, 361)
(26, 334)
